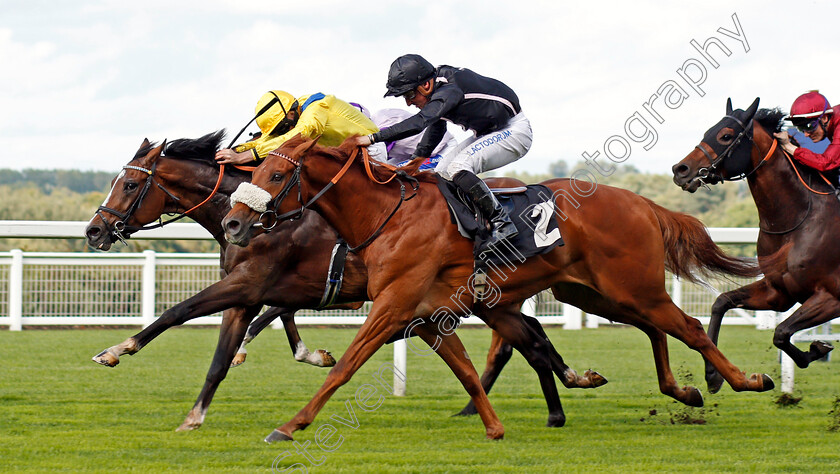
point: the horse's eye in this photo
(130, 186)
(727, 137)
(277, 177)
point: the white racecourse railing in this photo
(42, 289)
(38, 288)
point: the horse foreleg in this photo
(821, 307)
(379, 326)
(232, 331)
(216, 297)
(758, 295)
(568, 376)
(497, 357)
(452, 351)
(688, 395)
(512, 327)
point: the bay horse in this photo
(286, 267)
(613, 263)
(799, 219)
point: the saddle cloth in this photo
(532, 210)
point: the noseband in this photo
(122, 231)
(711, 172)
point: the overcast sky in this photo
(85, 81)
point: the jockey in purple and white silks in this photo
(400, 151)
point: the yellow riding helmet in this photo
(272, 108)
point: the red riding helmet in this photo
(809, 105)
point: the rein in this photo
(120, 226)
(704, 173)
(294, 180)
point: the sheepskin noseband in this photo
(252, 196)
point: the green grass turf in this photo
(60, 412)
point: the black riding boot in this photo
(487, 205)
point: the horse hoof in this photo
(238, 360)
(766, 383)
(714, 382)
(695, 397)
(819, 349)
(106, 358)
(496, 434)
(468, 410)
(277, 435)
(327, 360)
(595, 378)
(556, 421)
(188, 426)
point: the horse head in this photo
(725, 153)
(258, 206)
(129, 204)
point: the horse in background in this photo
(799, 221)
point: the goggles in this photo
(807, 126)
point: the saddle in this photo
(530, 207)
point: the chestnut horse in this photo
(613, 263)
(798, 224)
(286, 267)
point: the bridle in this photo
(711, 172)
(294, 180)
(122, 231)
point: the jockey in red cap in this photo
(812, 114)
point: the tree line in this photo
(68, 195)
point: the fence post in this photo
(574, 317)
(147, 306)
(787, 373)
(16, 291)
(400, 363)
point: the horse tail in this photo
(689, 247)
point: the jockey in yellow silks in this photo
(281, 116)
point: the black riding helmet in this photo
(406, 73)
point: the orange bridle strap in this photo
(790, 159)
(249, 169)
(366, 159)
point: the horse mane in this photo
(199, 149)
(770, 120)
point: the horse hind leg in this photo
(672, 320)
(687, 395)
(818, 309)
(513, 329)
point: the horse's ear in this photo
(156, 152)
(146, 143)
(304, 148)
(753, 108)
(729, 106)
